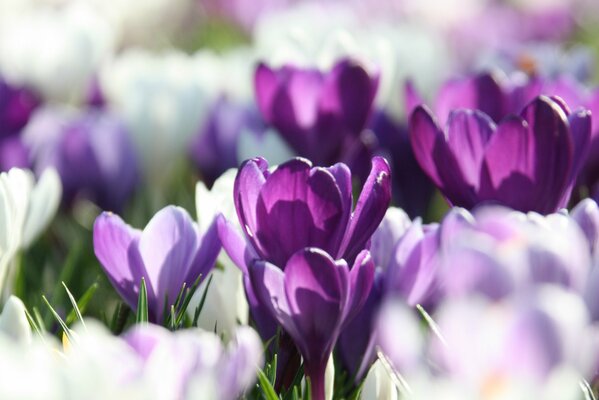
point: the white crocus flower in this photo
(225, 305)
(57, 51)
(13, 321)
(26, 209)
(306, 36)
(165, 98)
(378, 384)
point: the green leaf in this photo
(267, 390)
(142, 303)
(200, 306)
(81, 304)
(63, 325)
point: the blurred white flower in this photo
(225, 306)
(378, 384)
(26, 209)
(308, 35)
(165, 98)
(55, 50)
(13, 321)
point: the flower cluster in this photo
(393, 199)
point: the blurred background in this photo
(133, 102)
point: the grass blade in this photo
(142, 304)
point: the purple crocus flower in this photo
(91, 151)
(169, 251)
(407, 257)
(412, 188)
(322, 116)
(527, 162)
(16, 106)
(214, 149)
(313, 298)
(299, 206)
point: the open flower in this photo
(169, 252)
(528, 162)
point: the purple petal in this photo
(115, 245)
(468, 133)
(427, 141)
(235, 244)
(144, 338)
(370, 209)
(299, 207)
(348, 92)
(317, 295)
(209, 247)
(361, 278)
(412, 98)
(586, 215)
(167, 246)
(580, 128)
(268, 283)
(482, 92)
(248, 183)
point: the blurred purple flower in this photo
(16, 106)
(412, 189)
(321, 115)
(528, 162)
(192, 356)
(90, 150)
(215, 147)
(313, 298)
(169, 251)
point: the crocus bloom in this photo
(299, 206)
(90, 149)
(27, 209)
(412, 189)
(192, 361)
(528, 163)
(16, 105)
(225, 305)
(321, 115)
(313, 298)
(214, 148)
(170, 251)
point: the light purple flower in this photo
(320, 114)
(527, 162)
(191, 362)
(215, 147)
(169, 251)
(313, 298)
(91, 151)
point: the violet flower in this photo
(91, 151)
(215, 148)
(412, 188)
(528, 162)
(299, 206)
(321, 115)
(313, 298)
(169, 251)
(192, 362)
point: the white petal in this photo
(13, 321)
(44, 202)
